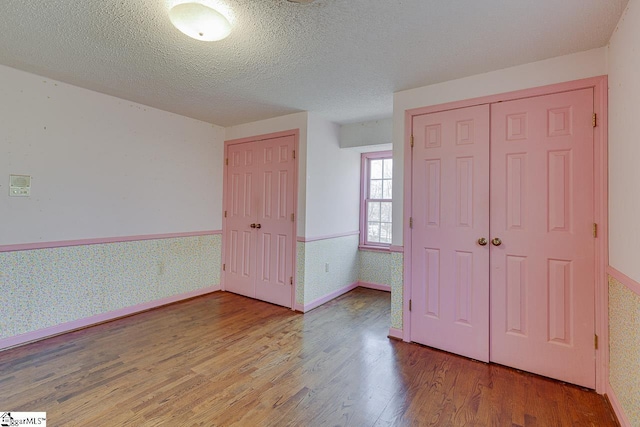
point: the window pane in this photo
(375, 170)
(388, 168)
(387, 188)
(374, 211)
(377, 204)
(374, 232)
(375, 191)
(385, 232)
(385, 211)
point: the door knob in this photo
(482, 241)
(258, 225)
(253, 226)
(496, 241)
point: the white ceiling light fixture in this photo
(199, 21)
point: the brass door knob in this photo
(496, 241)
(253, 226)
(258, 225)
(482, 241)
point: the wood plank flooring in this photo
(225, 360)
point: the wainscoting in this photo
(44, 291)
(624, 348)
(348, 268)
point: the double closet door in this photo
(259, 229)
(502, 241)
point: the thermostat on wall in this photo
(19, 185)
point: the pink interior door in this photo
(242, 211)
(259, 227)
(275, 237)
(450, 268)
(542, 274)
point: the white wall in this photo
(333, 181)
(361, 134)
(555, 70)
(624, 146)
(278, 124)
(102, 166)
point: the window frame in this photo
(365, 178)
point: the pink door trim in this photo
(600, 87)
(296, 135)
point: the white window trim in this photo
(364, 192)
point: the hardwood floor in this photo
(225, 360)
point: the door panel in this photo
(275, 257)
(239, 237)
(260, 191)
(542, 276)
(450, 270)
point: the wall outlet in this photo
(326, 267)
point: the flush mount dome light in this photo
(199, 21)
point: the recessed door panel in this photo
(450, 270)
(542, 317)
(276, 256)
(240, 242)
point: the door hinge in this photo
(409, 305)
(410, 222)
(224, 267)
(595, 230)
(293, 217)
(411, 141)
(294, 154)
(595, 341)
(595, 120)
(291, 280)
(225, 214)
(226, 161)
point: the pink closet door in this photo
(275, 237)
(450, 268)
(259, 228)
(542, 275)
(242, 211)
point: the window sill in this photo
(373, 248)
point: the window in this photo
(376, 194)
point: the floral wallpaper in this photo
(340, 253)
(624, 348)
(385, 268)
(46, 287)
(397, 282)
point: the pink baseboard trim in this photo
(396, 333)
(298, 307)
(99, 318)
(624, 279)
(376, 286)
(617, 407)
(101, 240)
(331, 236)
(335, 294)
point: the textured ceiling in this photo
(340, 58)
